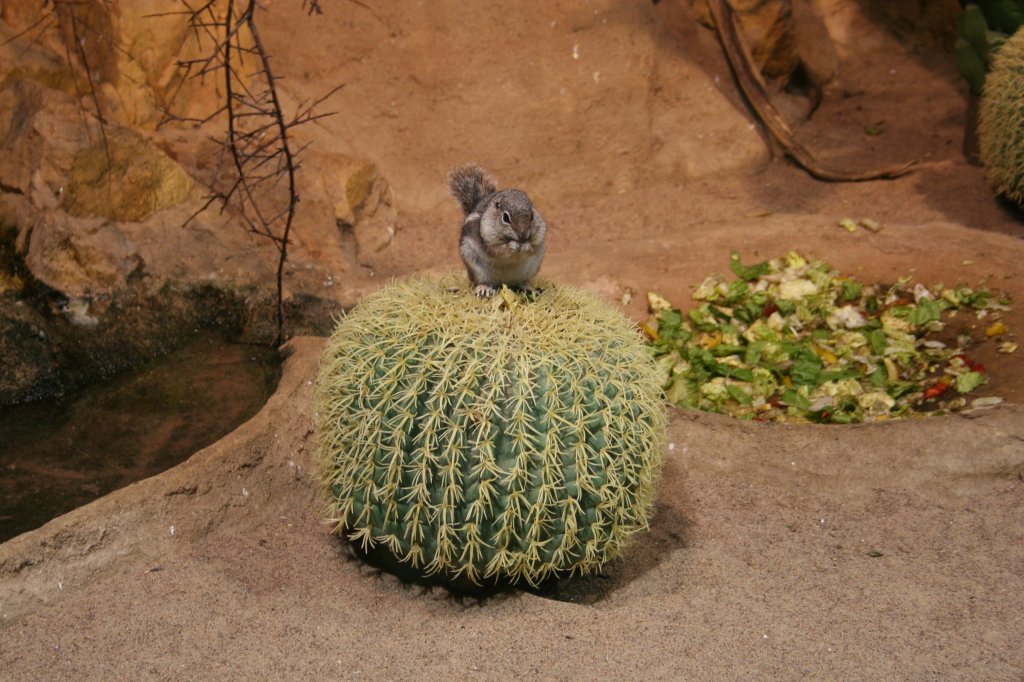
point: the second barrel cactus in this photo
(1001, 122)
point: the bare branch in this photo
(262, 193)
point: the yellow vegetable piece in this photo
(709, 341)
(827, 356)
(509, 300)
(891, 371)
(870, 224)
(996, 329)
(657, 302)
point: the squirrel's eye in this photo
(506, 218)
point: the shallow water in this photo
(58, 455)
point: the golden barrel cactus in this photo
(488, 441)
(1001, 120)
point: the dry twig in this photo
(262, 192)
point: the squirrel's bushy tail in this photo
(469, 184)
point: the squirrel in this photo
(502, 240)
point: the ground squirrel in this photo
(502, 240)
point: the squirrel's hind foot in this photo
(528, 291)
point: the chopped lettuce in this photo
(790, 340)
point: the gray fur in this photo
(503, 235)
(470, 184)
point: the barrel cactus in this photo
(474, 441)
(1001, 120)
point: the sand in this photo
(776, 551)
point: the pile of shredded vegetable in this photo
(790, 340)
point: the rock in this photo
(132, 50)
(10, 284)
(78, 257)
(20, 63)
(42, 130)
(354, 199)
(110, 224)
(57, 156)
(69, 206)
(124, 177)
(27, 357)
(365, 204)
(375, 216)
(85, 229)
(153, 41)
(61, 346)
(354, 181)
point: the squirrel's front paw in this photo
(484, 290)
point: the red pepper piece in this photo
(971, 364)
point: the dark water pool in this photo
(58, 455)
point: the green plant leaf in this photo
(968, 381)
(1003, 15)
(806, 370)
(876, 337)
(925, 311)
(972, 25)
(796, 399)
(851, 290)
(748, 272)
(971, 66)
(739, 395)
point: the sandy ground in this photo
(892, 551)
(761, 562)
